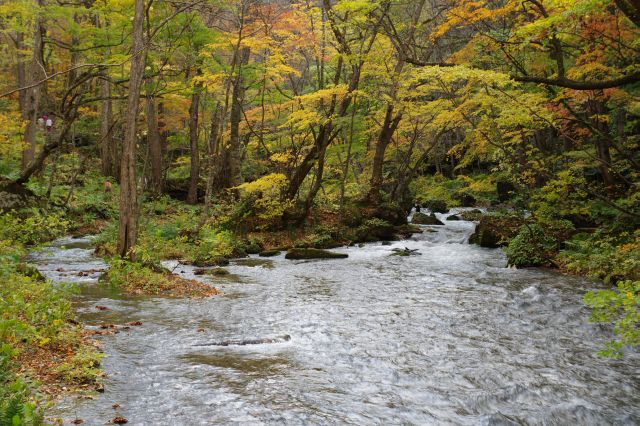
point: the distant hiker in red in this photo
(107, 186)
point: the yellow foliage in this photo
(266, 195)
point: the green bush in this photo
(215, 243)
(608, 257)
(33, 228)
(620, 306)
(531, 247)
(17, 404)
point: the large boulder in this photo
(436, 206)
(425, 219)
(505, 190)
(269, 253)
(311, 253)
(496, 230)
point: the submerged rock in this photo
(310, 253)
(244, 342)
(405, 252)
(425, 219)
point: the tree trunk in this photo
(631, 8)
(155, 147)
(128, 230)
(214, 137)
(192, 196)
(389, 127)
(235, 143)
(597, 108)
(32, 97)
(108, 147)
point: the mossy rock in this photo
(253, 247)
(436, 206)
(216, 261)
(472, 215)
(405, 252)
(496, 230)
(311, 253)
(453, 217)
(425, 219)
(214, 271)
(466, 200)
(376, 230)
(269, 253)
(406, 231)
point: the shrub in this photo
(215, 243)
(265, 198)
(608, 257)
(33, 229)
(531, 247)
(622, 307)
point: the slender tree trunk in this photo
(155, 147)
(108, 147)
(128, 230)
(192, 196)
(385, 136)
(214, 137)
(32, 97)
(21, 71)
(596, 108)
(235, 142)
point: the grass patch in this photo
(137, 279)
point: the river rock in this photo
(310, 253)
(471, 215)
(453, 217)
(495, 231)
(505, 190)
(425, 219)
(214, 271)
(405, 252)
(269, 253)
(436, 206)
(216, 261)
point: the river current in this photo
(450, 336)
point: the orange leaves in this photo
(468, 13)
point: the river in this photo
(451, 336)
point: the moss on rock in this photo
(425, 219)
(310, 253)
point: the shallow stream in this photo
(447, 337)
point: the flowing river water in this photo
(451, 336)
